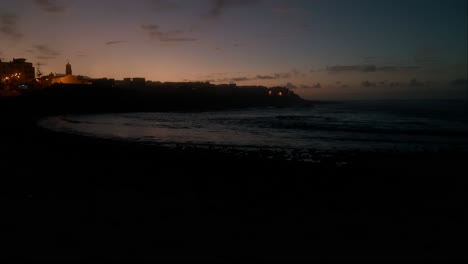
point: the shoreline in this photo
(451, 155)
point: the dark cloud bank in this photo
(9, 26)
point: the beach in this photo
(233, 130)
(69, 197)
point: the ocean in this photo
(387, 126)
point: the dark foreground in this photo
(71, 198)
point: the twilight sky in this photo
(333, 49)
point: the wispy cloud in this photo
(9, 26)
(50, 6)
(265, 77)
(291, 86)
(115, 42)
(274, 76)
(369, 68)
(45, 53)
(240, 79)
(352, 68)
(392, 84)
(218, 7)
(154, 32)
(313, 86)
(400, 68)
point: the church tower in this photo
(68, 69)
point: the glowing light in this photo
(269, 93)
(280, 93)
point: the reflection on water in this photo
(385, 125)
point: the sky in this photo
(330, 49)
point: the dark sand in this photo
(67, 198)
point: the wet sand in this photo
(67, 197)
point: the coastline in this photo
(70, 197)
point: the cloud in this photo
(45, 52)
(316, 70)
(285, 75)
(275, 76)
(178, 39)
(398, 69)
(218, 7)
(265, 77)
(391, 84)
(352, 68)
(154, 32)
(114, 42)
(370, 68)
(164, 5)
(290, 86)
(9, 27)
(236, 79)
(50, 6)
(313, 86)
(240, 79)
(385, 84)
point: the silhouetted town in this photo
(19, 78)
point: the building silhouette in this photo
(135, 81)
(68, 69)
(18, 70)
(68, 78)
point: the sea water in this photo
(437, 125)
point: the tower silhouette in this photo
(68, 69)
